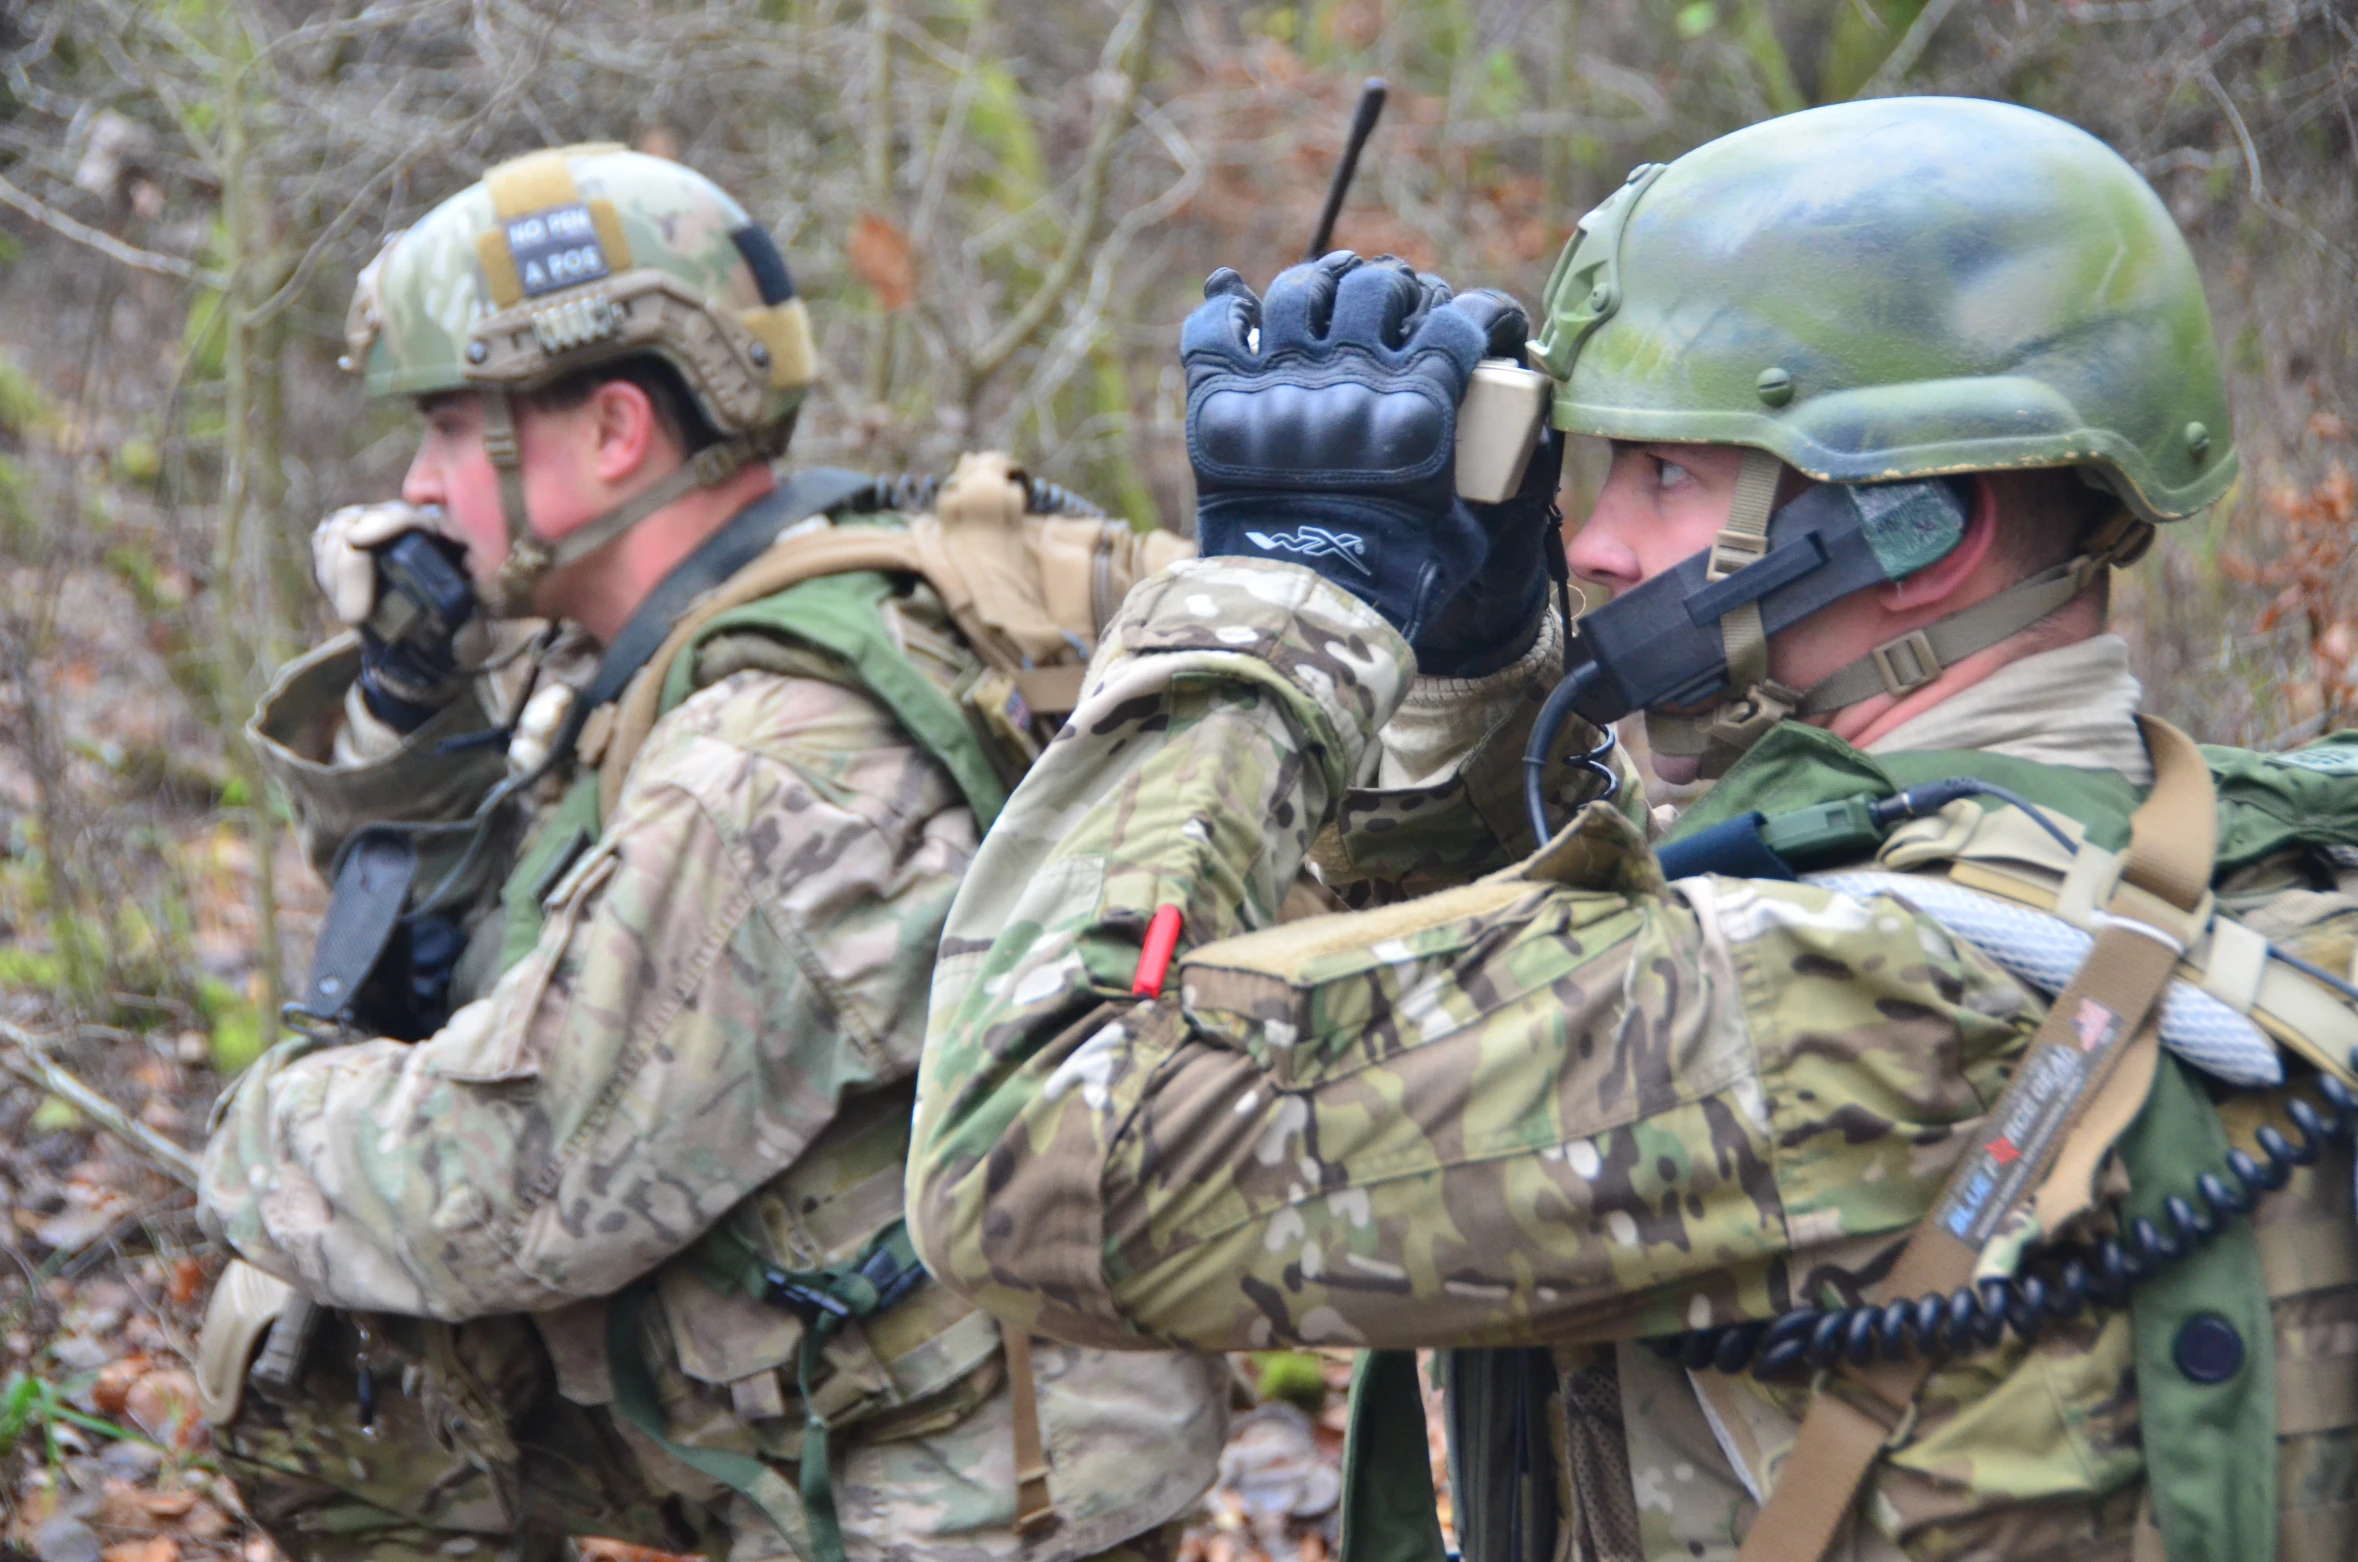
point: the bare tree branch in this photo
(1135, 49)
(27, 1056)
(106, 243)
(1904, 54)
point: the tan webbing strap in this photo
(1754, 701)
(2100, 1019)
(1035, 1510)
(2070, 1186)
(528, 556)
(714, 464)
(1740, 542)
(1916, 658)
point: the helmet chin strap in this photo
(532, 556)
(1757, 702)
(1724, 733)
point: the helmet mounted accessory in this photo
(565, 259)
(1881, 326)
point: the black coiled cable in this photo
(2058, 1283)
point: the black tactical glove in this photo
(1330, 441)
(389, 574)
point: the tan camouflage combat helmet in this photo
(575, 256)
(1898, 288)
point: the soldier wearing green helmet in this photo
(1934, 1144)
(644, 777)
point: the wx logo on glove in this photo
(1316, 542)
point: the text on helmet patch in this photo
(556, 247)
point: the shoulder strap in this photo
(782, 566)
(2101, 1027)
(843, 615)
(1389, 1509)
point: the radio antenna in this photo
(1363, 123)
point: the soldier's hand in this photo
(343, 557)
(1322, 424)
(411, 665)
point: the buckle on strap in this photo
(1906, 663)
(1731, 551)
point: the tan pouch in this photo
(246, 1302)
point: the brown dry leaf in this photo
(2328, 425)
(156, 1548)
(596, 1549)
(205, 1522)
(880, 257)
(34, 1508)
(115, 1380)
(188, 1282)
(119, 1507)
(164, 1406)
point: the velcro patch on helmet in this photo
(556, 248)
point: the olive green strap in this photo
(2205, 1348)
(748, 1476)
(1389, 1510)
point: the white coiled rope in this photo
(2044, 950)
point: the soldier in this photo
(1651, 1136)
(613, 1233)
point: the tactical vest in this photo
(2246, 1352)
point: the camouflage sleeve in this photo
(747, 943)
(1566, 1101)
(1439, 798)
(298, 735)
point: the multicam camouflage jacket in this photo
(722, 1012)
(1566, 1106)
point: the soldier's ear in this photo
(1940, 580)
(624, 429)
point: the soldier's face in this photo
(1659, 504)
(453, 470)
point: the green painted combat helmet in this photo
(1893, 289)
(571, 257)
(1897, 288)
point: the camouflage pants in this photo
(472, 1454)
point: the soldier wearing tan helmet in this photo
(577, 1209)
(1939, 1145)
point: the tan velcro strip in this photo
(608, 221)
(785, 329)
(499, 268)
(531, 183)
